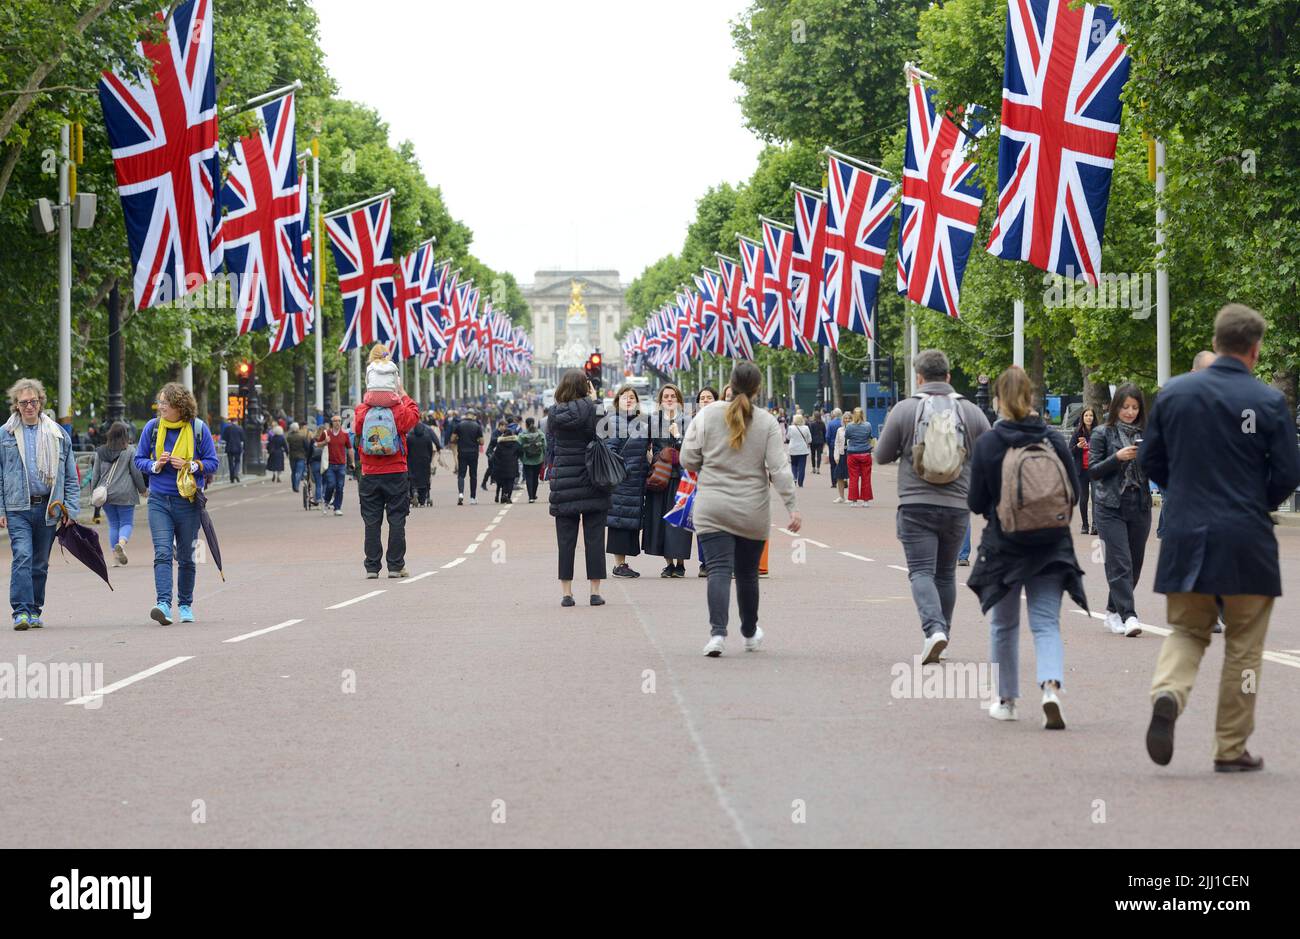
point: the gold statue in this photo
(577, 309)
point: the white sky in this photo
(585, 146)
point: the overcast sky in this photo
(564, 133)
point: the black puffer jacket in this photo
(572, 425)
(627, 439)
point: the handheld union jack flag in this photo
(857, 233)
(941, 203)
(1060, 125)
(408, 314)
(262, 230)
(778, 258)
(362, 243)
(809, 268)
(163, 132)
(295, 327)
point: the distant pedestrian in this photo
(1219, 542)
(176, 451)
(384, 487)
(703, 398)
(737, 452)
(505, 465)
(818, 427)
(123, 483)
(667, 427)
(1080, 450)
(628, 438)
(37, 469)
(467, 438)
(858, 434)
(575, 499)
(232, 435)
(931, 436)
(276, 449)
(532, 448)
(1036, 556)
(1122, 508)
(800, 448)
(421, 443)
(839, 467)
(296, 439)
(497, 431)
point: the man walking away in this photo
(933, 433)
(385, 484)
(1219, 541)
(232, 435)
(467, 438)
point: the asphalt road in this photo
(465, 707)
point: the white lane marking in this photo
(364, 596)
(1281, 659)
(263, 632)
(411, 580)
(856, 557)
(453, 563)
(817, 543)
(786, 531)
(472, 548)
(138, 676)
(897, 568)
(1146, 627)
(481, 535)
(490, 527)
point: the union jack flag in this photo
(408, 314)
(295, 327)
(1060, 125)
(433, 278)
(262, 229)
(751, 315)
(778, 258)
(857, 233)
(713, 334)
(733, 291)
(163, 132)
(362, 243)
(453, 296)
(941, 203)
(809, 268)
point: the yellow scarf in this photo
(184, 445)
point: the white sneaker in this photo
(1115, 624)
(715, 645)
(1052, 719)
(933, 646)
(1001, 710)
(1132, 627)
(460, 500)
(338, 513)
(838, 500)
(473, 501)
(753, 642)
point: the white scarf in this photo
(48, 450)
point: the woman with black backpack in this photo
(572, 425)
(1027, 545)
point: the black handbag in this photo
(604, 468)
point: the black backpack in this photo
(605, 468)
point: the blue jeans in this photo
(1043, 594)
(299, 468)
(30, 540)
(335, 478)
(121, 523)
(174, 525)
(315, 475)
(964, 553)
(798, 464)
(730, 554)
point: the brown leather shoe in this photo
(1242, 764)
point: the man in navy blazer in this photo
(1223, 445)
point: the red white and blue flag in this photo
(941, 203)
(362, 243)
(433, 279)
(857, 234)
(809, 269)
(713, 335)
(408, 313)
(782, 331)
(163, 132)
(295, 327)
(733, 292)
(1061, 108)
(262, 229)
(751, 315)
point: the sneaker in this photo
(1132, 627)
(838, 500)
(460, 500)
(704, 571)
(934, 644)
(1092, 531)
(162, 614)
(372, 575)
(1218, 626)
(679, 570)
(762, 575)
(568, 601)
(473, 501)
(22, 622)
(398, 575)
(119, 552)
(624, 571)
(715, 646)
(753, 642)
(1115, 624)
(338, 513)
(187, 613)
(1160, 733)
(963, 562)
(35, 622)
(1052, 719)
(1003, 710)
(668, 571)
(597, 600)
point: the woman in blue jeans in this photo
(116, 471)
(1041, 562)
(172, 446)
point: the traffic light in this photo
(593, 369)
(247, 378)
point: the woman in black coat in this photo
(504, 465)
(1041, 563)
(1080, 446)
(667, 428)
(276, 448)
(572, 425)
(818, 427)
(420, 444)
(627, 440)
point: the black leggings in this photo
(728, 553)
(816, 457)
(468, 464)
(1085, 490)
(531, 475)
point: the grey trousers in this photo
(931, 536)
(1123, 533)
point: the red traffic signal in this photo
(595, 360)
(244, 369)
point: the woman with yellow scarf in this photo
(176, 452)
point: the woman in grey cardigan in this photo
(736, 450)
(115, 468)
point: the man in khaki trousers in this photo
(1223, 446)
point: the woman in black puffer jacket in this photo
(627, 439)
(571, 426)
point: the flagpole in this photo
(1162, 275)
(361, 204)
(808, 192)
(1018, 334)
(263, 99)
(775, 224)
(856, 162)
(318, 262)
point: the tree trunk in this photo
(837, 381)
(1095, 394)
(1284, 380)
(202, 385)
(1037, 367)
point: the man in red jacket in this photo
(386, 489)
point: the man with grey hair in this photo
(37, 470)
(932, 516)
(1204, 359)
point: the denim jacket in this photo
(13, 479)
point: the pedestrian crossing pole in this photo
(318, 262)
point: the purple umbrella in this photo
(81, 542)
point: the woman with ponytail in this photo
(736, 450)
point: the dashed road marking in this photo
(364, 596)
(453, 563)
(411, 580)
(897, 568)
(817, 543)
(131, 680)
(856, 557)
(472, 548)
(263, 632)
(481, 536)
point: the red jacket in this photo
(406, 415)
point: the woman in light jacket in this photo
(800, 448)
(115, 468)
(737, 450)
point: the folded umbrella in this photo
(81, 542)
(209, 531)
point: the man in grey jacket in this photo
(932, 518)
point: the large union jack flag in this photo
(1061, 107)
(941, 203)
(362, 243)
(809, 269)
(408, 313)
(433, 279)
(295, 327)
(713, 328)
(262, 229)
(778, 259)
(733, 293)
(751, 315)
(857, 233)
(163, 132)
